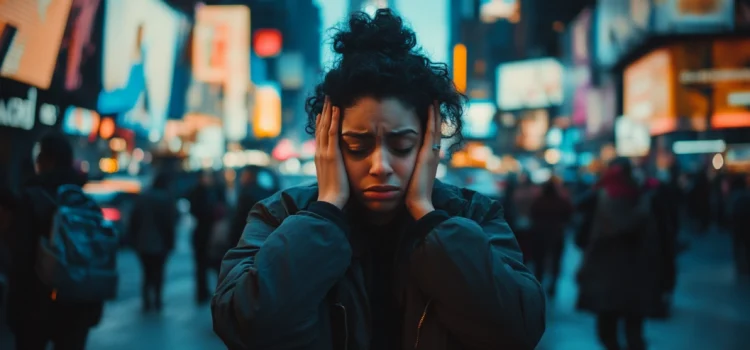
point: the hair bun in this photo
(385, 33)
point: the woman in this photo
(625, 271)
(152, 229)
(378, 254)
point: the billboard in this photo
(693, 16)
(601, 108)
(221, 55)
(530, 84)
(492, 10)
(78, 70)
(479, 120)
(619, 24)
(142, 37)
(632, 137)
(80, 121)
(685, 85)
(30, 35)
(267, 113)
(648, 91)
(580, 37)
(713, 80)
(221, 42)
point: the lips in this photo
(382, 192)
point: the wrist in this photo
(337, 202)
(420, 209)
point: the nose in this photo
(380, 163)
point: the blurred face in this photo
(379, 143)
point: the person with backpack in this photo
(152, 230)
(62, 253)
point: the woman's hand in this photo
(333, 186)
(419, 196)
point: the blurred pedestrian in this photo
(36, 316)
(550, 215)
(225, 235)
(378, 254)
(152, 231)
(208, 208)
(740, 222)
(623, 272)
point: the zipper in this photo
(421, 323)
(346, 325)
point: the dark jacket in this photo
(29, 300)
(295, 281)
(153, 223)
(628, 264)
(248, 197)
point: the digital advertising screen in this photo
(80, 121)
(78, 71)
(221, 55)
(530, 84)
(601, 108)
(693, 16)
(683, 86)
(619, 25)
(491, 11)
(479, 120)
(145, 35)
(714, 79)
(648, 91)
(632, 137)
(30, 36)
(580, 37)
(267, 112)
(221, 42)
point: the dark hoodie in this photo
(28, 299)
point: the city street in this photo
(711, 311)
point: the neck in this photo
(380, 219)
(377, 218)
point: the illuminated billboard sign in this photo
(30, 35)
(530, 84)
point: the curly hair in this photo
(378, 57)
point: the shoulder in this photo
(463, 202)
(287, 202)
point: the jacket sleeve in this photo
(272, 284)
(471, 268)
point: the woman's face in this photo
(379, 144)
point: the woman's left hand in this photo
(419, 195)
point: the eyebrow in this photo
(365, 134)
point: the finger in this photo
(438, 136)
(317, 131)
(429, 133)
(325, 124)
(333, 133)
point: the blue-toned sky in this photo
(429, 18)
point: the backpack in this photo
(78, 260)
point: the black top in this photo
(387, 315)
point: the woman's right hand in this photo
(333, 185)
